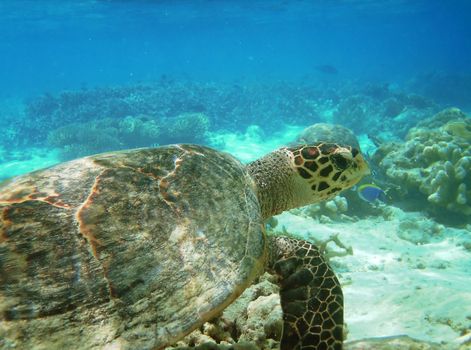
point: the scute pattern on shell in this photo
(132, 248)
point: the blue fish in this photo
(371, 193)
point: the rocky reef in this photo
(433, 164)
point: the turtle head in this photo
(325, 169)
(291, 177)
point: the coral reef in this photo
(434, 163)
(11, 124)
(77, 139)
(379, 110)
(233, 106)
(326, 211)
(186, 127)
(126, 113)
(229, 106)
(80, 139)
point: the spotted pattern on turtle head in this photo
(328, 167)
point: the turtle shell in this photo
(130, 249)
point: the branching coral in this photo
(435, 159)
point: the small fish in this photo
(326, 69)
(371, 193)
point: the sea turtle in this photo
(135, 249)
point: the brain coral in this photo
(434, 160)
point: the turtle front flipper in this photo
(311, 296)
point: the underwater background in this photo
(245, 77)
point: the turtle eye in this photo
(340, 161)
(355, 152)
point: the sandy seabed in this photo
(393, 286)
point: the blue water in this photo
(47, 46)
